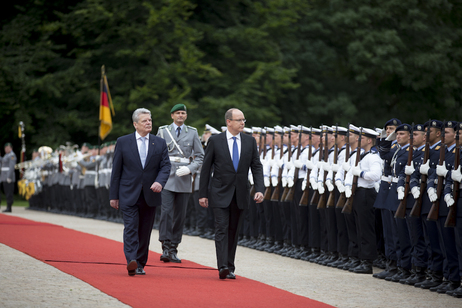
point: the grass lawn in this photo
(18, 201)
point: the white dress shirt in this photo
(230, 139)
(138, 142)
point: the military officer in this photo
(8, 177)
(186, 155)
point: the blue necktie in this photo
(143, 151)
(235, 154)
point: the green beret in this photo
(178, 107)
(8, 144)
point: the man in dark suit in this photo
(140, 170)
(229, 156)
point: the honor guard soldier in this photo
(8, 177)
(186, 156)
(368, 171)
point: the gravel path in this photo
(24, 281)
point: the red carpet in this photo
(101, 263)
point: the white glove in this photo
(271, 162)
(304, 185)
(377, 187)
(289, 165)
(335, 167)
(182, 171)
(400, 191)
(383, 133)
(326, 166)
(266, 181)
(424, 168)
(298, 164)
(441, 170)
(456, 175)
(346, 166)
(356, 170)
(309, 164)
(449, 200)
(251, 178)
(314, 183)
(409, 170)
(8, 180)
(274, 181)
(290, 182)
(280, 162)
(284, 182)
(415, 191)
(391, 137)
(432, 194)
(329, 185)
(340, 186)
(321, 189)
(348, 191)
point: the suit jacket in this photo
(225, 180)
(191, 146)
(128, 176)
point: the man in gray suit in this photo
(186, 155)
(8, 176)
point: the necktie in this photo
(143, 151)
(178, 130)
(235, 154)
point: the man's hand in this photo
(400, 191)
(415, 192)
(409, 170)
(449, 200)
(441, 170)
(182, 171)
(274, 181)
(456, 175)
(156, 187)
(204, 202)
(258, 197)
(266, 180)
(432, 194)
(114, 204)
(8, 180)
(424, 168)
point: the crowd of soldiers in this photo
(344, 197)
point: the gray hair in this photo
(137, 112)
(229, 114)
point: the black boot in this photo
(165, 251)
(172, 253)
(418, 277)
(364, 268)
(390, 270)
(436, 280)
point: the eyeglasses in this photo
(238, 120)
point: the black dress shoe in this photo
(223, 273)
(140, 271)
(131, 268)
(7, 211)
(231, 276)
(456, 293)
(364, 268)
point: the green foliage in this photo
(280, 61)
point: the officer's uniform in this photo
(177, 190)
(8, 178)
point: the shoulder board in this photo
(394, 146)
(12, 157)
(454, 150)
(191, 127)
(437, 147)
(407, 149)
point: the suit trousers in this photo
(172, 216)
(138, 223)
(227, 223)
(8, 189)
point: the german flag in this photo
(105, 118)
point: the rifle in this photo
(275, 195)
(417, 208)
(315, 197)
(267, 195)
(452, 214)
(331, 199)
(342, 199)
(348, 207)
(289, 158)
(304, 198)
(322, 198)
(434, 210)
(290, 194)
(401, 211)
(260, 148)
